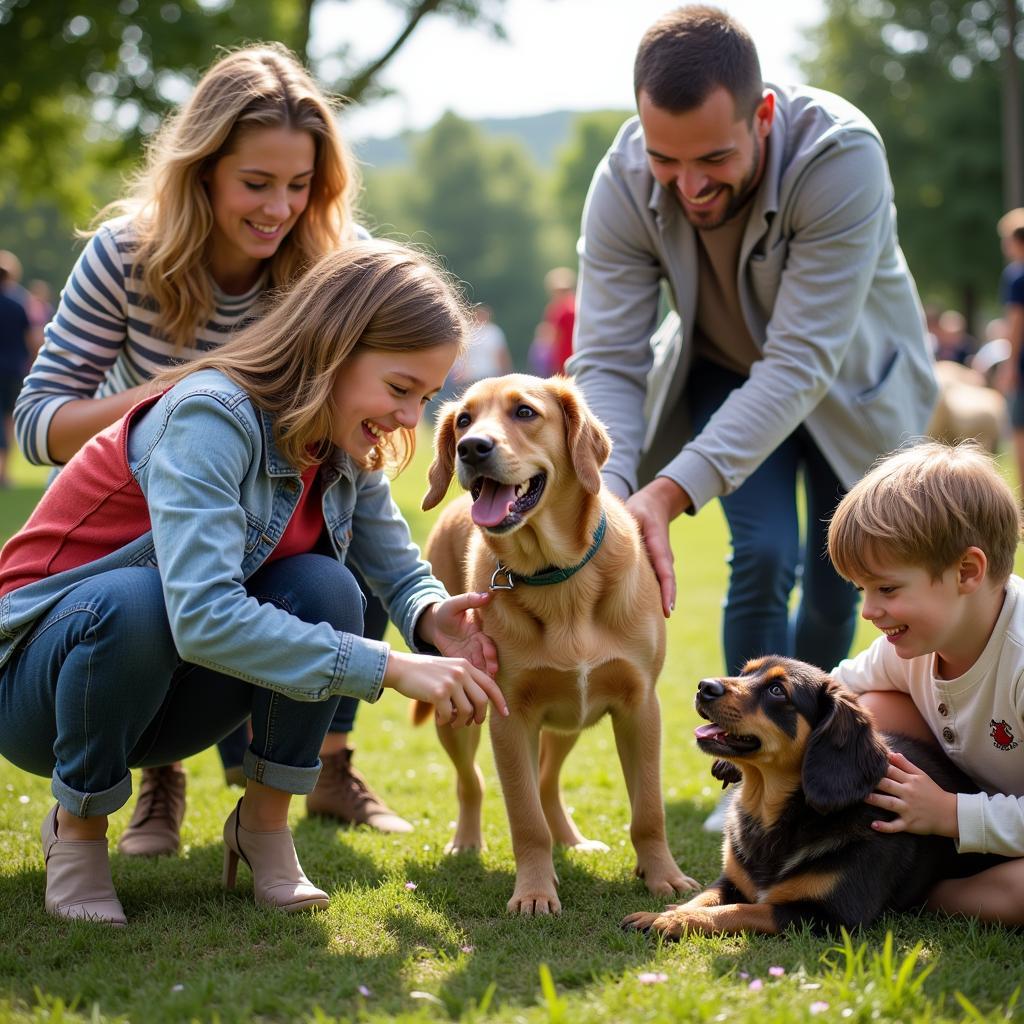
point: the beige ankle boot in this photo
(341, 792)
(78, 882)
(277, 876)
(155, 828)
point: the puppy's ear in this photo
(440, 473)
(588, 442)
(845, 758)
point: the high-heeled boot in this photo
(78, 882)
(277, 876)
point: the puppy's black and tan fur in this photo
(798, 845)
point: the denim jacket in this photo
(220, 494)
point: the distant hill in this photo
(542, 134)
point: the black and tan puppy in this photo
(798, 844)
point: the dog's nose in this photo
(710, 689)
(474, 449)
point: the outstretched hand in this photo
(654, 507)
(458, 632)
(921, 806)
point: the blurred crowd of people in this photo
(24, 312)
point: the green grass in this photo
(447, 950)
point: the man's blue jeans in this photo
(768, 557)
(97, 687)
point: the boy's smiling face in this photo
(916, 612)
(950, 616)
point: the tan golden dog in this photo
(576, 617)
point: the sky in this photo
(560, 55)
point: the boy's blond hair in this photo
(925, 506)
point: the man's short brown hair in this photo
(690, 52)
(925, 506)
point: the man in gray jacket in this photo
(765, 216)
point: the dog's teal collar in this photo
(548, 576)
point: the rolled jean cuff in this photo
(285, 777)
(91, 805)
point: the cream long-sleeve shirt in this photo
(978, 719)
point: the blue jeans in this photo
(768, 557)
(97, 687)
(375, 621)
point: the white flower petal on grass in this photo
(427, 997)
(818, 1007)
(651, 977)
(364, 992)
(178, 988)
(24, 799)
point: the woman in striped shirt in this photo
(247, 185)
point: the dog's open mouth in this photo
(713, 739)
(498, 506)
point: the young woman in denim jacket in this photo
(187, 570)
(246, 186)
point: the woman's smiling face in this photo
(257, 193)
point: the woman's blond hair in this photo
(261, 86)
(369, 295)
(925, 506)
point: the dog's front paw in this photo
(534, 900)
(666, 879)
(671, 923)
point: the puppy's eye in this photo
(524, 412)
(777, 691)
(462, 420)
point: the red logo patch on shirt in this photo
(1002, 736)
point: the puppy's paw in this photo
(669, 924)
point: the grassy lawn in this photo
(412, 935)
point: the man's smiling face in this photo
(709, 158)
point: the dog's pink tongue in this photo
(708, 732)
(493, 503)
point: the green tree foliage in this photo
(473, 201)
(592, 134)
(927, 72)
(85, 81)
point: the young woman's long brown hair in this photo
(371, 294)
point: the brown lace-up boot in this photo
(341, 792)
(155, 828)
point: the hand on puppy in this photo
(920, 805)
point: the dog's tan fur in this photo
(569, 653)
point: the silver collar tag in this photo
(509, 583)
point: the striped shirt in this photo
(102, 340)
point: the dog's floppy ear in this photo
(845, 758)
(588, 442)
(440, 473)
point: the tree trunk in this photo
(1013, 143)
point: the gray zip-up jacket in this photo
(825, 291)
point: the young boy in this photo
(929, 537)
